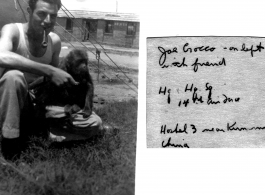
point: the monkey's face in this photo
(79, 70)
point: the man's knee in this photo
(14, 77)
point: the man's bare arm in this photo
(11, 60)
(56, 43)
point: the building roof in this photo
(128, 17)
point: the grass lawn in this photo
(104, 166)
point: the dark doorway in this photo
(90, 30)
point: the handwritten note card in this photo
(205, 92)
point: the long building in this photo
(119, 29)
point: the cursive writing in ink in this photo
(193, 128)
(187, 88)
(196, 64)
(164, 92)
(228, 99)
(185, 102)
(164, 52)
(258, 48)
(213, 129)
(210, 101)
(201, 48)
(176, 64)
(176, 130)
(233, 127)
(195, 97)
(168, 144)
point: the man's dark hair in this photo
(32, 3)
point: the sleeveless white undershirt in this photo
(23, 50)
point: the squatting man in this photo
(24, 58)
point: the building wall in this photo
(76, 32)
(77, 29)
(100, 31)
(136, 39)
(119, 36)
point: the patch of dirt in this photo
(112, 86)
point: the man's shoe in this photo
(11, 148)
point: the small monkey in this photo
(73, 98)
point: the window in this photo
(131, 28)
(109, 26)
(69, 24)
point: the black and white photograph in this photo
(68, 96)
